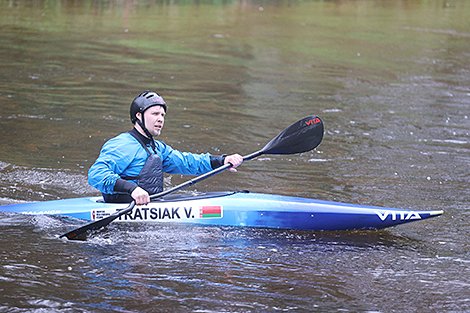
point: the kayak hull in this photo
(234, 209)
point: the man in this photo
(131, 165)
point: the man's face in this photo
(154, 119)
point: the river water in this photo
(390, 79)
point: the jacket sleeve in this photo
(183, 163)
(112, 161)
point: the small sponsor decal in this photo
(312, 121)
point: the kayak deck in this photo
(235, 209)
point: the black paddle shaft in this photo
(302, 136)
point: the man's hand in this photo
(140, 196)
(235, 160)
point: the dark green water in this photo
(390, 79)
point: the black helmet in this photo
(144, 101)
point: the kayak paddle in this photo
(302, 136)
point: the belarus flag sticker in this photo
(211, 211)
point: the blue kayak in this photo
(239, 208)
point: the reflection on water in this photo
(390, 80)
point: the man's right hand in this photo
(140, 196)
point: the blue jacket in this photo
(123, 155)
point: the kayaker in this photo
(131, 165)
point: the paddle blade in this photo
(80, 233)
(304, 135)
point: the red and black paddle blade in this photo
(302, 136)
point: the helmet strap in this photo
(142, 125)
